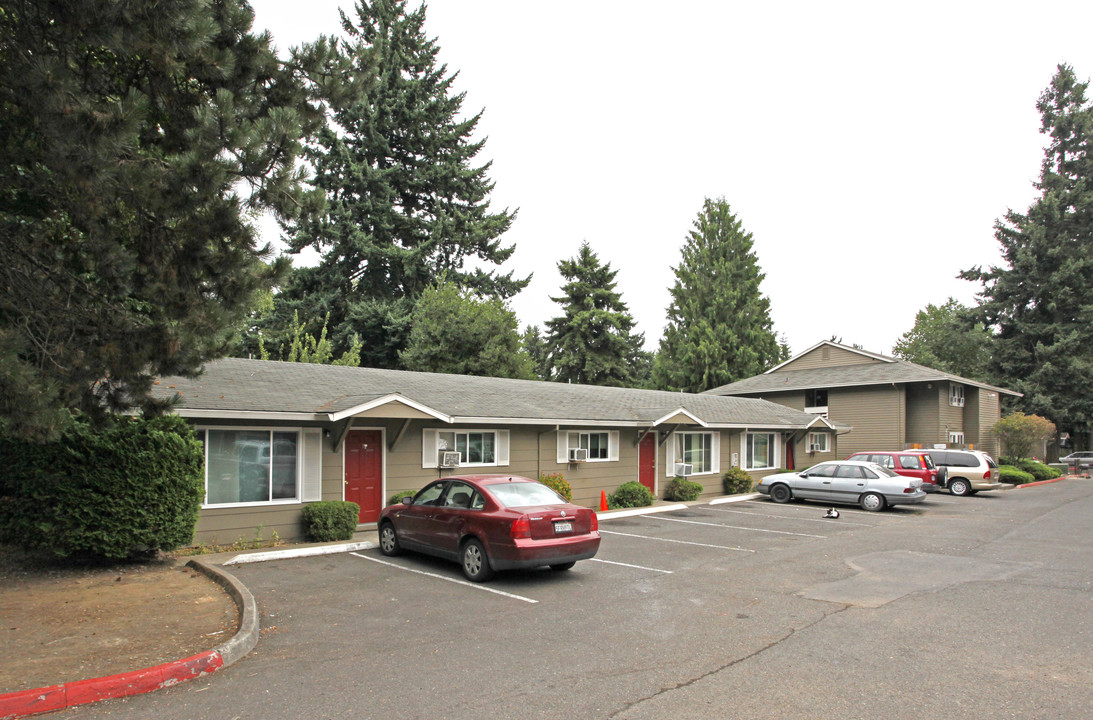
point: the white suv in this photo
(966, 472)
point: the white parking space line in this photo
(636, 567)
(679, 542)
(448, 579)
(791, 517)
(812, 507)
(736, 527)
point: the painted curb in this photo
(66, 695)
(1042, 482)
(299, 552)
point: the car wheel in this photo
(781, 493)
(872, 502)
(959, 487)
(389, 540)
(562, 567)
(475, 563)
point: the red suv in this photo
(912, 463)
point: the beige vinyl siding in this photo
(989, 412)
(792, 399)
(950, 417)
(876, 414)
(923, 418)
(827, 356)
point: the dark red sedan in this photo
(491, 522)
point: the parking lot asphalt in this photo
(956, 608)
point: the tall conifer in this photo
(592, 341)
(406, 201)
(719, 327)
(1042, 303)
(136, 138)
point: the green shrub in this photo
(1014, 475)
(134, 488)
(397, 497)
(683, 490)
(631, 494)
(1037, 469)
(331, 520)
(558, 483)
(736, 481)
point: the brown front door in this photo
(647, 462)
(364, 472)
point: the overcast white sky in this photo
(867, 146)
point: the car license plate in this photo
(563, 527)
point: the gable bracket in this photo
(398, 436)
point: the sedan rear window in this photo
(520, 494)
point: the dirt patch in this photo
(61, 622)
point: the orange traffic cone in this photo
(603, 500)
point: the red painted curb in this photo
(1043, 482)
(58, 697)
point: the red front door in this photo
(364, 472)
(647, 462)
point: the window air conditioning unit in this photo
(814, 448)
(684, 469)
(578, 455)
(449, 459)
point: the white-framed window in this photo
(956, 394)
(248, 466)
(476, 448)
(956, 438)
(760, 451)
(816, 402)
(700, 450)
(599, 445)
(817, 442)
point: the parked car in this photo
(910, 463)
(844, 481)
(491, 522)
(1081, 458)
(967, 471)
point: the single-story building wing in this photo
(278, 435)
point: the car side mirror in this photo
(407, 500)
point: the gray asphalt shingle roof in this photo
(232, 386)
(873, 373)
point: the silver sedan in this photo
(848, 482)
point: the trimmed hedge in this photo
(558, 483)
(331, 520)
(131, 489)
(1035, 468)
(736, 481)
(683, 490)
(631, 494)
(1014, 475)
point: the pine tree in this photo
(719, 327)
(406, 203)
(592, 342)
(137, 138)
(462, 333)
(1041, 301)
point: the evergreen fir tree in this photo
(535, 347)
(1041, 302)
(592, 342)
(406, 202)
(719, 328)
(137, 139)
